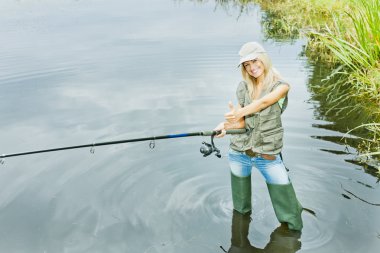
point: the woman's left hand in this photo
(222, 130)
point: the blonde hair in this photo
(271, 75)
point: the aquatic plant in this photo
(358, 49)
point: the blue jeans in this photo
(274, 171)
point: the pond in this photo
(77, 72)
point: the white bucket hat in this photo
(250, 51)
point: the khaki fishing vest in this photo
(264, 129)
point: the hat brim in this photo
(249, 57)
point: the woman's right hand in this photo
(221, 128)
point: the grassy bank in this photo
(291, 18)
(355, 45)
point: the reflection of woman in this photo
(262, 97)
(282, 240)
(239, 234)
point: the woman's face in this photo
(254, 68)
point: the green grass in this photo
(358, 48)
(293, 17)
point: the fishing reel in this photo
(207, 148)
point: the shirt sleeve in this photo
(283, 102)
(278, 83)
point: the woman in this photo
(262, 97)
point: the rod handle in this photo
(236, 131)
(229, 131)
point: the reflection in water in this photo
(273, 25)
(274, 28)
(335, 106)
(281, 240)
(243, 6)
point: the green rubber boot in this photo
(286, 206)
(241, 193)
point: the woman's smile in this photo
(254, 68)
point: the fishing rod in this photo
(206, 148)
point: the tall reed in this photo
(356, 46)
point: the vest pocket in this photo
(240, 141)
(272, 140)
(270, 122)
